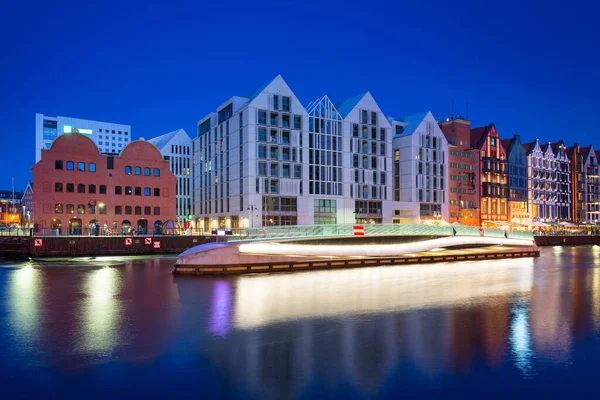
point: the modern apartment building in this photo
(77, 188)
(494, 176)
(463, 171)
(518, 206)
(175, 148)
(265, 160)
(541, 174)
(421, 172)
(109, 137)
(563, 181)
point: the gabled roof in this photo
(586, 151)
(477, 134)
(597, 154)
(547, 146)
(258, 91)
(413, 122)
(506, 143)
(161, 141)
(344, 107)
(324, 102)
(529, 147)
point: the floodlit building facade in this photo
(175, 148)
(592, 184)
(563, 181)
(463, 172)
(518, 206)
(110, 138)
(578, 184)
(541, 174)
(494, 176)
(77, 188)
(421, 171)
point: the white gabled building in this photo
(176, 148)
(266, 160)
(421, 166)
(541, 174)
(592, 184)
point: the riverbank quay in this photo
(61, 246)
(329, 247)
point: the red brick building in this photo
(493, 172)
(80, 191)
(463, 172)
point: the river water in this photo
(126, 327)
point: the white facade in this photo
(592, 185)
(265, 159)
(176, 148)
(541, 173)
(563, 182)
(110, 138)
(421, 165)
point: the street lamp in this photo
(252, 208)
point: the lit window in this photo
(70, 165)
(81, 166)
(128, 170)
(147, 192)
(92, 167)
(156, 172)
(147, 171)
(138, 170)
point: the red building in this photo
(80, 191)
(463, 171)
(493, 172)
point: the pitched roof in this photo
(586, 151)
(528, 147)
(258, 91)
(163, 140)
(477, 134)
(344, 107)
(413, 122)
(506, 143)
(597, 154)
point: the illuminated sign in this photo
(70, 129)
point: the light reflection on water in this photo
(409, 328)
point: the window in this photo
(276, 102)
(147, 211)
(81, 188)
(58, 208)
(156, 192)
(92, 167)
(138, 210)
(262, 168)
(118, 210)
(138, 191)
(262, 117)
(138, 170)
(58, 187)
(70, 188)
(146, 171)
(70, 165)
(274, 119)
(156, 210)
(110, 162)
(297, 122)
(127, 210)
(58, 164)
(128, 170)
(81, 209)
(92, 189)
(118, 190)
(102, 189)
(262, 134)
(285, 103)
(156, 172)
(70, 209)
(81, 166)
(147, 192)
(128, 191)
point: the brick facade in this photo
(77, 187)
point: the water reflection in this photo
(101, 312)
(353, 333)
(24, 302)
(264, 299)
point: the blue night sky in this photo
(530, 68)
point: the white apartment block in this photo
(176, 148)
(110, 138)
(267, 160)
(421, 166)
(541, 173)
